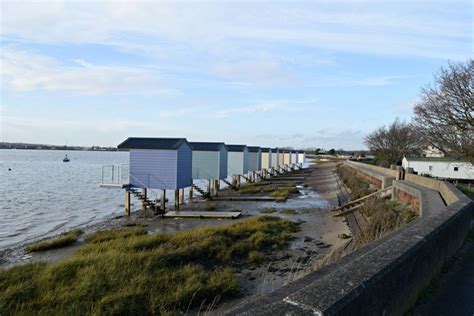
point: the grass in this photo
(383, 216)
(281, 192)
(466, 189)
(359, 186)
(288, 212)
(106, 235)
(62, 240)
(126, 272)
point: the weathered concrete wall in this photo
(381, 170)
(380, 178)
(386, 276)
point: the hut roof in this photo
(266, 149)
(206, 146)
(151, 143)
(254, 149)
(236, 147)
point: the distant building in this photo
(440, 167)
(431, 151)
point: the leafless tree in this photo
(391, 143)
(444, 115)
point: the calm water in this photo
(42, 195)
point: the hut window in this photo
(456, 168)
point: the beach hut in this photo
(255, 160)
(301, 156)
(159, 163)
(266, 162)
(286, 157)
(209, 163)
(294, 157)
(237, 161)
(281, 158)
(274, 159)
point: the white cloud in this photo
(22, 71)
(417, 28)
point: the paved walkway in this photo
(455, 295)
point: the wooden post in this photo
(191, 191)
(127, 203)
(181, 196)
(209, 187)
(163, 200)
(176, 200)
(144, 199)
(217, 182)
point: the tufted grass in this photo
(123, 272)
(384, 216)
(62, 240)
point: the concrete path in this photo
(455, 295)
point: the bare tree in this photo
(444, 115)
(390, 144)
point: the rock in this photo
(308, 239)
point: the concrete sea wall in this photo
(386, 276)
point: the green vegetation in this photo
(280, 191)
(359, 186)
(124, 271)
(466, 189)
(62, 240)
(288, 212)
(107, 235)
(383, 216)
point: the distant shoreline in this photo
(27, 146)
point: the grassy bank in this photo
(126, 272)
(384, 216)
(62, 240)
(358, 186)
(279, 191)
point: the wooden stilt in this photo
(163, 200)
(191, 192)
(127, 203)
(176, 200)
(181, 196)
(209, 187)
(144, 199)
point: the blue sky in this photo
(301, 74)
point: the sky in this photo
(301, 74)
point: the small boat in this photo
(66, 159)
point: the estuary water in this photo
(42, 195)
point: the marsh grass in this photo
(384, 216)
(282, 191)
(107, 235)
(288, 212)
(123, 273)
(62, 240)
